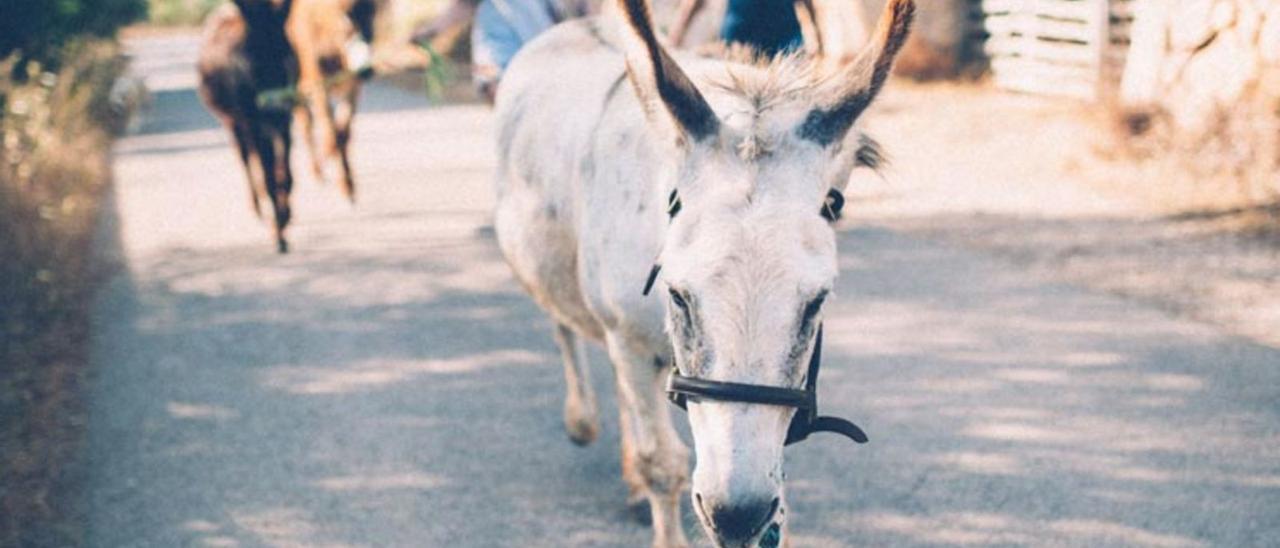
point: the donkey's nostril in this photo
(741, 521)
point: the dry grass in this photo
(1230, 171)
(180, 13)
(54, 136)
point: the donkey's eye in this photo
(811, 310)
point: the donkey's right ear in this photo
(663, 88)
(852, 89)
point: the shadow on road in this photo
(1006, 411)
(393, 395)
(1222, 267)
(388, 384)
(407, 392)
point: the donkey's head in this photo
(750, 257)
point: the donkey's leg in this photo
(307, 121)
(322, 114)
(343, 115)
(245, 146)
(272, 151)
(637, 490)
(656, 452)
(581, 417)
(282, 196)
(314, 108)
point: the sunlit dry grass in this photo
(179, 12)
(1230, 169)
(54, 133)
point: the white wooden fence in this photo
(1059, 47)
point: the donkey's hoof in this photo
(678, 543)
(582, 431)
(638, 508)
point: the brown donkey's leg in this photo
(284, 183)
(306, 121)
(243, 138)
(315, 114)
(273, 149)
(343, 117)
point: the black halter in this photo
(806, 421)
(680, 388)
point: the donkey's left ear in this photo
(850, 91)
(663, 88)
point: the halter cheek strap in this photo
(680, 389)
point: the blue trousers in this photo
(769, 26)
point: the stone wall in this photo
(1193, 59)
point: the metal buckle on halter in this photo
(806, 420)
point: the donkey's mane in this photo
(765, 82)
(758, 83)
(762, 80)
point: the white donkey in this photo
(591, 172)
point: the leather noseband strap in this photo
(806, 421)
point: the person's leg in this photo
(769, 26)
(493, 43)
(501, 28)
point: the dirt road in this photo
(388, 384)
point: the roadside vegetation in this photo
(179, 13)
(58, 69)
(1226, 169)
(1200, 110)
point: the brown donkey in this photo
(244, 55)
(332, 38)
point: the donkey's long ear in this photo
(657, 78)
(852, 89)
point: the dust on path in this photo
(1021, 178)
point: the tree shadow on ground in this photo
(407, 393)
(1214, 266)
(1004, 410)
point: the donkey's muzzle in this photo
(738, 523)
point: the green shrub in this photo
(54, 165)
(180, 12)
(39, 29)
